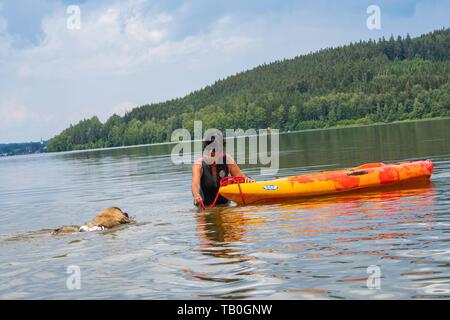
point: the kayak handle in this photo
(357, 173)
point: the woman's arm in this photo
(235, 171)
(196, 175)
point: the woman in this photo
(208, 170)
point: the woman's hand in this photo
(236, 171)
(196, 175)
(198, 200)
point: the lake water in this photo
(319, 248)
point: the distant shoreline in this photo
(280, 133)
(369, 124)
(22, 148)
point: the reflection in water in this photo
(220, 225)
(303, 228)
(321, 215)
(342, 214)
(225, 224)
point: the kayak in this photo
(367, 176)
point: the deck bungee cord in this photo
(225, 182)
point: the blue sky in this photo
(129, 53)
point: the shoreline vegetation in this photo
(280, 133)
(363, 83)
(15, 149)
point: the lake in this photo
(325, 248)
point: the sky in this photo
(129, 53)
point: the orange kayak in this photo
(327, 183)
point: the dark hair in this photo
(211, 139)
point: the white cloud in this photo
(133, 51)
(118, 40)
(121, 108)
(111, 40)
(12, 113)
(121, 52)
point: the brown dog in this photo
(106, 219)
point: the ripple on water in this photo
(314, 249)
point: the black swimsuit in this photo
(208, 186)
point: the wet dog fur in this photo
(106, 219)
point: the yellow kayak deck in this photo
(327, 183)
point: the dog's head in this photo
(111, 217)
(125, 218)
(124, 213)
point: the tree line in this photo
(12, 149)
(360, 83)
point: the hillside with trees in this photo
(13, 149)
(360, 83)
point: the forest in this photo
(360, 83)
(12, 149)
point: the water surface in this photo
(312, 249)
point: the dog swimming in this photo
(106, 219)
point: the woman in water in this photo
(208, 170)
